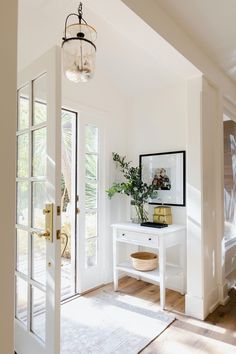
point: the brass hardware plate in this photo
(48, 211)
(77, 210)
(58, 234)
(58, 210)
(48, 233)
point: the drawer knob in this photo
(150, 239)
(123, 234)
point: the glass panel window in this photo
(22, 251)
(91, 224)
(39, 259)
(23, 108)
(23, 155)
(38, 203)
(21, 300)
(90, 195)
(22, 203)
(39, 152)
(38, 310)
(68, 191)
(91, 139)
(91, 252)
(91, 166)
(40, 100)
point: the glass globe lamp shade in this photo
(79, 52)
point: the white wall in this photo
(195, 266)
(8, 44)
(157, 122)
(205, 289)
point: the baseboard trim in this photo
(214, 306)
(225, 300)
(194, 307)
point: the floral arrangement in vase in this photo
(132, 186)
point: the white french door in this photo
(90, 232)
(37, 275)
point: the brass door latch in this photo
(48, 233)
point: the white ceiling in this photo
(131, 54)
(212, 24)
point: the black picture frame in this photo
(173, 191)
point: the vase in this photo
(139, 212)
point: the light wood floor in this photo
(216, 335)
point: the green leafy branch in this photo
(133, 186)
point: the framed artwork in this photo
(166, 171)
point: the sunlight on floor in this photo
(108, 322)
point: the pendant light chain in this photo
(80, 11)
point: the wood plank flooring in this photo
(216, 335)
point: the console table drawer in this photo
(137, 237)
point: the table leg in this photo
(115, 271)
(162, 269)
(115, 281)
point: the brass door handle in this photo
(45, 234)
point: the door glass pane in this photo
(91, 163)
(38, 310)
(91, 139)
(40, 100)
(68, 156)
(21, 300)
(39, 259)
(91, 252)
(39, 152)
(91, 224)
(90, 195)
(22, 251)
(23, 108)
(23, 155)
(22, 203)
(38, 203)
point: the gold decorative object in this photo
(162, 215)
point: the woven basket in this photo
(144, 261)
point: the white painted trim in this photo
(211, 301)
(96, 117)
(214, 306)
(194, 307)
(225, 301)
(50, 64)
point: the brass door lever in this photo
(45, 234)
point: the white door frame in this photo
(26, 342)
(88, 280)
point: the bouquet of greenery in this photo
(133, 186)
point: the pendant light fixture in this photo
(78, 49)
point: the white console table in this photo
(159, 240)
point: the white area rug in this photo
(110, 323)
